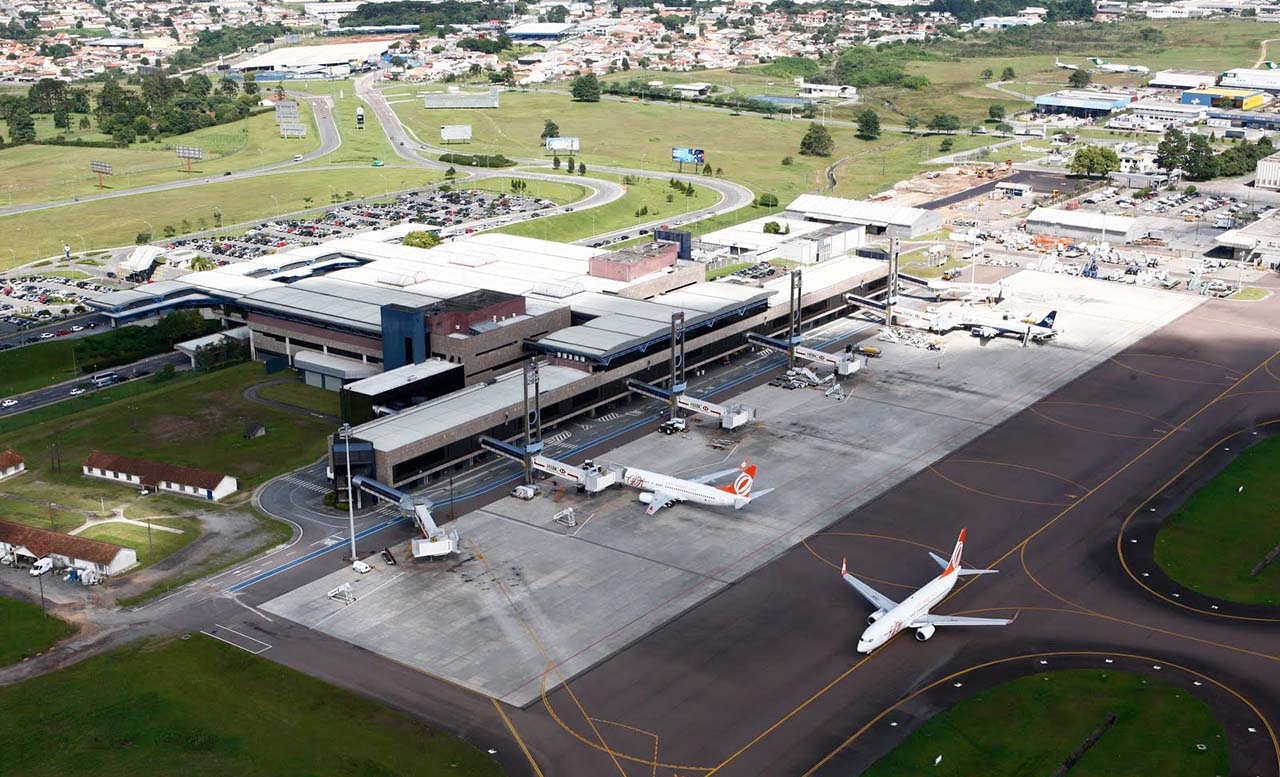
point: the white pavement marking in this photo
(265, 646)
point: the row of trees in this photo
(170, 106)
(1193, 154)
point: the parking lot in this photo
(36, 300)
(533, 601)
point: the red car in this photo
(62, 332)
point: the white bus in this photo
(104, 379)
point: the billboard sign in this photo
(691, 155)
(455, 133)
(102, 168)
(293, 129)
(287, 111)
(190, 152)
(570, 145)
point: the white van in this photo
(40, 567)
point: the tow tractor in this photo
(673, 426)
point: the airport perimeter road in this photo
(330, 141)
(19, 338)
(60, 392)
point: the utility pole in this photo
(151, 549)
(344, 432)
(793, 333)
(532, 419)
(677, 362)
(893, 281)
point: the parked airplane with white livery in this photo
(987, 326)
(1064, 65)
(1106, 67)
(892, 617)
(658, 490)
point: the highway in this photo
(60, 392)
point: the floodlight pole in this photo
(345, 433)
(677, 363)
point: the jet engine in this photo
(646, 498)
(985, 332)
(925, 631)
(875, 616)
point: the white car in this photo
(8, 403)
(297, 157)
(77, 329)
(47, 336)
(75, 392)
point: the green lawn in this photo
(43, 173)
(1212, 542)
(203, 707)
(26, 631)
(162, 544)
(39, 515)
(358, 146)
(1250, 294)
(748, 148)
(645, 193)
(559, 193)
(115, 222)
(35, 366)
(877, 168)
(300, 394)
(1030, 725)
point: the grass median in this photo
(198, 706)
(1031, 725)
(1216, 541)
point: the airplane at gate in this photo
(891, 617)
(989, 326)
(658, 490)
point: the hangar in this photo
(334, 59)
(1083, 102)
(1081, 225)
(879, 218)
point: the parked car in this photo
(41, 567)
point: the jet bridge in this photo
(590, 477)
(844, 364)
(729, 416)
(993, 292)
(434, 542)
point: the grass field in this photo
(1212, 542)
(43, 173)
(748, 148)
(557, 192)
(358, 146)
(302, 395)
(162, 543)
(878, 167)
(35, 366)
(115, 222)
(645, 193)
(198, 706)
(1030, 725)
(26, 631)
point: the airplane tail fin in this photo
(1048, 320)
(741, 485)
(954, 564)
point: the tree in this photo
(1200, 164)
(944, 122)
(868, 124)
(84, 122)
(250, 84)
(1171, 152)
(518, 185)
(586, 88)
(817, 141)
(1094, 161)
(550, 129)
(772, 228)
(1079, 79)
(199, 85)
(986, 75)
(1007, 74)
(228, 86)
(582, 169)
(422, 239)
(706, 169)
(46, 95)
(912, 122)
(946, 145)
(1004, 128)
(555, 162)
(571, 164)
(61, 119)
(450, 174)
(995, 112)
(557, 14)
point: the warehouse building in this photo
(1170, 114)
(877, 218)
(1223, 97)
(1183, 79)
(159, 476)
(1248, 78)
(540, 33)
(28, 544)
(1256, 243)
(336, 59)
(1080, 102)
(1268, 177)
(1081, 225)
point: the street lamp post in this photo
(345, 433)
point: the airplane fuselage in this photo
(680, 489)
(909, 611)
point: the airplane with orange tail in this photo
(892, 617)
(658, 490)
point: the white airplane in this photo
(658, 490)
(1107, 67)
(1060, 64)
(892, 617)
(989, 325)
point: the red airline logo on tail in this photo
(742, 485)
(955, 555)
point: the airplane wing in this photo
(957, 620)
(724, 473)
(942, 562)
(877, 599)
(659, 501)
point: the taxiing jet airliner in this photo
(891, 617)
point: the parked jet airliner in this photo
(660, 490)
(891, 617)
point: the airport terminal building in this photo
(427, 345)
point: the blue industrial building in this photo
(1082, 103)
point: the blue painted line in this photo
(505, 481)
